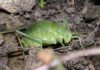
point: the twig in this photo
(71, 2)
(81, 53)
(70, 56)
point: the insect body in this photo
(46, 32)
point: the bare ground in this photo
(83, 17)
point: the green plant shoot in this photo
(42, 3)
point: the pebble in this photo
(1, 39)
(14, 6)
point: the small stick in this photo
(70, 56)
(81, 53)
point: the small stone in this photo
(1, 39)
(14, 6)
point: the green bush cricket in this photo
(46, 32)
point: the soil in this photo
(83, 17)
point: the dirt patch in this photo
(83, 17)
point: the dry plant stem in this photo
(85, 8)
(70, 56)
(92, 34)
(77, 54)
(71, 2)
